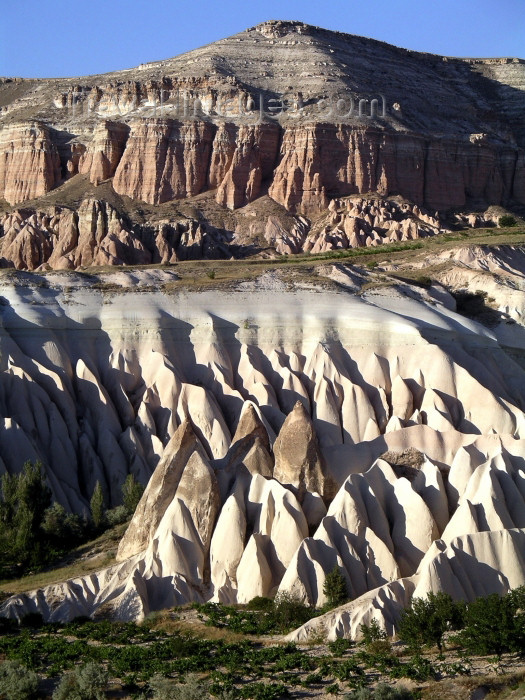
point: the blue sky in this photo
(67, 38)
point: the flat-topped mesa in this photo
(298, 460)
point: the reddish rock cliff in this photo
(29, 162)
(165, 159)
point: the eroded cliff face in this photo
(282, 108)
(61, 238)
(281, 430)
(159, 160)
(29, 164)
(320, 161)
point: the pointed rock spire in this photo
(298, 460)
(160, 490)
(250, 423)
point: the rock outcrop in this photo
(305, 116)
(30, 164)
(370, 428)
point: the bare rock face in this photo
(401, 428)
(104, 152)
(164, 160)
(183, 451)
(298, 461)
(30, 164)
(251, 425)
(252, 160)
(293, 116)
(318, 159)
(59, 238)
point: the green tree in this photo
(495, 624)
(63, 529)
(427, 620)
(507, 220)
(25, 498)
(334, 588)
(97, 506)
(132, 492)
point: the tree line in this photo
(35, 531)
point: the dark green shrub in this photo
(334, 588)
(495, 624)
(371, 633)
(507, 221)
(17, 682)
(260, 603)
(264, 691)
(86, 682)
(339, 646)
(169, 689)
(63, 529)
(427, 620)
(117, 516)
(417, 669)
(131, 493)
(290, 612)
(381, 692)
(33, 620)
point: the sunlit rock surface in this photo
(281, 429)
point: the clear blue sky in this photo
(66, 37)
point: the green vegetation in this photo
(132, 492)
(25, 498)
(35, 533)
(98, 507)
(156, 659)
(352, 252)
(491, 625)
(427, 620)
(334, 588)
(261, 616)
(495, 624)
(381, 692)
(86, 682)
(17, 682)
(507, 220)
(193, 688)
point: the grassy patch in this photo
(83, 560)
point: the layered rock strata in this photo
(302, 113)
(60, 238)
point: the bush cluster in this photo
(490, 625)
(261, 615)
(81, 656)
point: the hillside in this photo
(285, 417)
(240, 147)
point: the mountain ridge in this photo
(302, 115)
